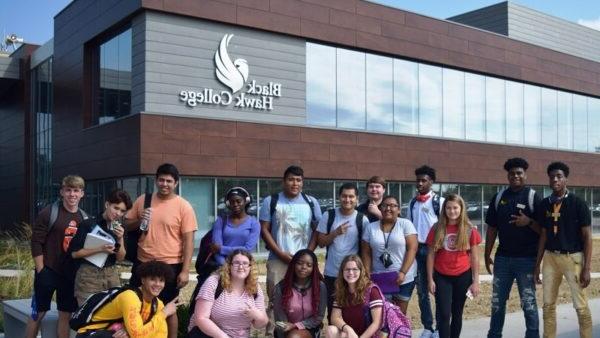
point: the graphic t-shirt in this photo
(291, 223)
(448, 260)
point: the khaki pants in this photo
(91, 279)
(276, 270)
(555, 267)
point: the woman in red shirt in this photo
(358, 307)
(452, 265)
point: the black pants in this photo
(450, 297)
(330, 285)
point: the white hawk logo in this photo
(232, 74)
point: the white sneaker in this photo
(427, 334)
(435, 334)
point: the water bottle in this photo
(144, 225)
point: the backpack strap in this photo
(147, 200)
(410, 208)
(359, 225)
(311, 204)
(498, 198)
(153, 306)
(273, 205)
(53, 214)
(531, 200)
(435, 203)
(330, 219)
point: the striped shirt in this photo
(227, 311)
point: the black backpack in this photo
(83, 316)
(311, 204)
(359, 225)
(133, 236)
(435, 203)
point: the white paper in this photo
(94, 241)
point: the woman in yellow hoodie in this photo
(128, 316)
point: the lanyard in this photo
(387, 240)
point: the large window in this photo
(112, 94)
(349, 89)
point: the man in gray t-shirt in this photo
(340, 234)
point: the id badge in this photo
(521, 206)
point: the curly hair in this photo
(464, 225)
(155, 269)
(516, 162)
(425, 170)
(342, 295)
(558, 166)
(290, 276)
(251, 283)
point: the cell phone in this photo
(469, 294)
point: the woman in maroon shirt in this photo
(358, 307)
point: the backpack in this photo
(331, 219)
(395, 323)
(530, 199)
(55, 207)
(311, 204)
(83, 316)
(435, 203)
(204, 253)
(133, 236)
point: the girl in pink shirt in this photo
(300, 299)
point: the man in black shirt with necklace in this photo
(566, 246)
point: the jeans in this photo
(450, 297)
(555, 267)
(422, 287)
(506, 270)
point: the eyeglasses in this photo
(355, 270)
(391, 206)
(240, 264)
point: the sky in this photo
(33, 19)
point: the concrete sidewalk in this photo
(514, 324)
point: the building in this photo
(234, 92)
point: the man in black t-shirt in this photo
(566, 246)
(375, 192)
(510, 217)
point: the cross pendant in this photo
(555, 215)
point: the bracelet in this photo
(343, 326)
(402, 272)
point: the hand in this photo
(182, 279)
(250, 311)
(108, 248)
(432, 287)
(214, 248)
(342, 229)
(286, 258)
(401, 277)
(584, 278)
(118, 231)
(374, 209)
(520, 220)
(171, 307)
(474, 288)
(536, 275)
(120, 334)
(147, 214)
(350, 332)
(289, 327)
(488, 262)
(39, 269)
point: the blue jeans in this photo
(422, 288)
(506, 270)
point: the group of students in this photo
(373, 256)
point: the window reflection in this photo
(406, 97)
(580, 123)
(454, 104)
(549, 118)
(495, 110)
(322, 191)
(351, 89)
(594, 120)
(475, 107)
(565, 118)
(320, 85)
(380, 109)
(532, 111)
(430, 100)
(200, 192)
(472, 195)
(514, 112)
(114, 84)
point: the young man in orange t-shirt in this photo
(169, 234)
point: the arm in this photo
(412, 245)
(312, 244)
(540, 256)
(475, 269)
(278, 312)
(490, 239)
(366, 255)
(376, 314)
(203, 321)
(586, 234)
(109, 249)
(188, 250)
(39, 232)
(265, 230)
(326, 239)
(522, 220)
(430, 260)
(338, 321)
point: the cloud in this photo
(594, 24)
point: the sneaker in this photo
(427, 333)
(435, 334)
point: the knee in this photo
(332, 332)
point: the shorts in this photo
(170, 292)
(46, 282)
(404, 292)
(91, 279)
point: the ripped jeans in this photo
(506, 270)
